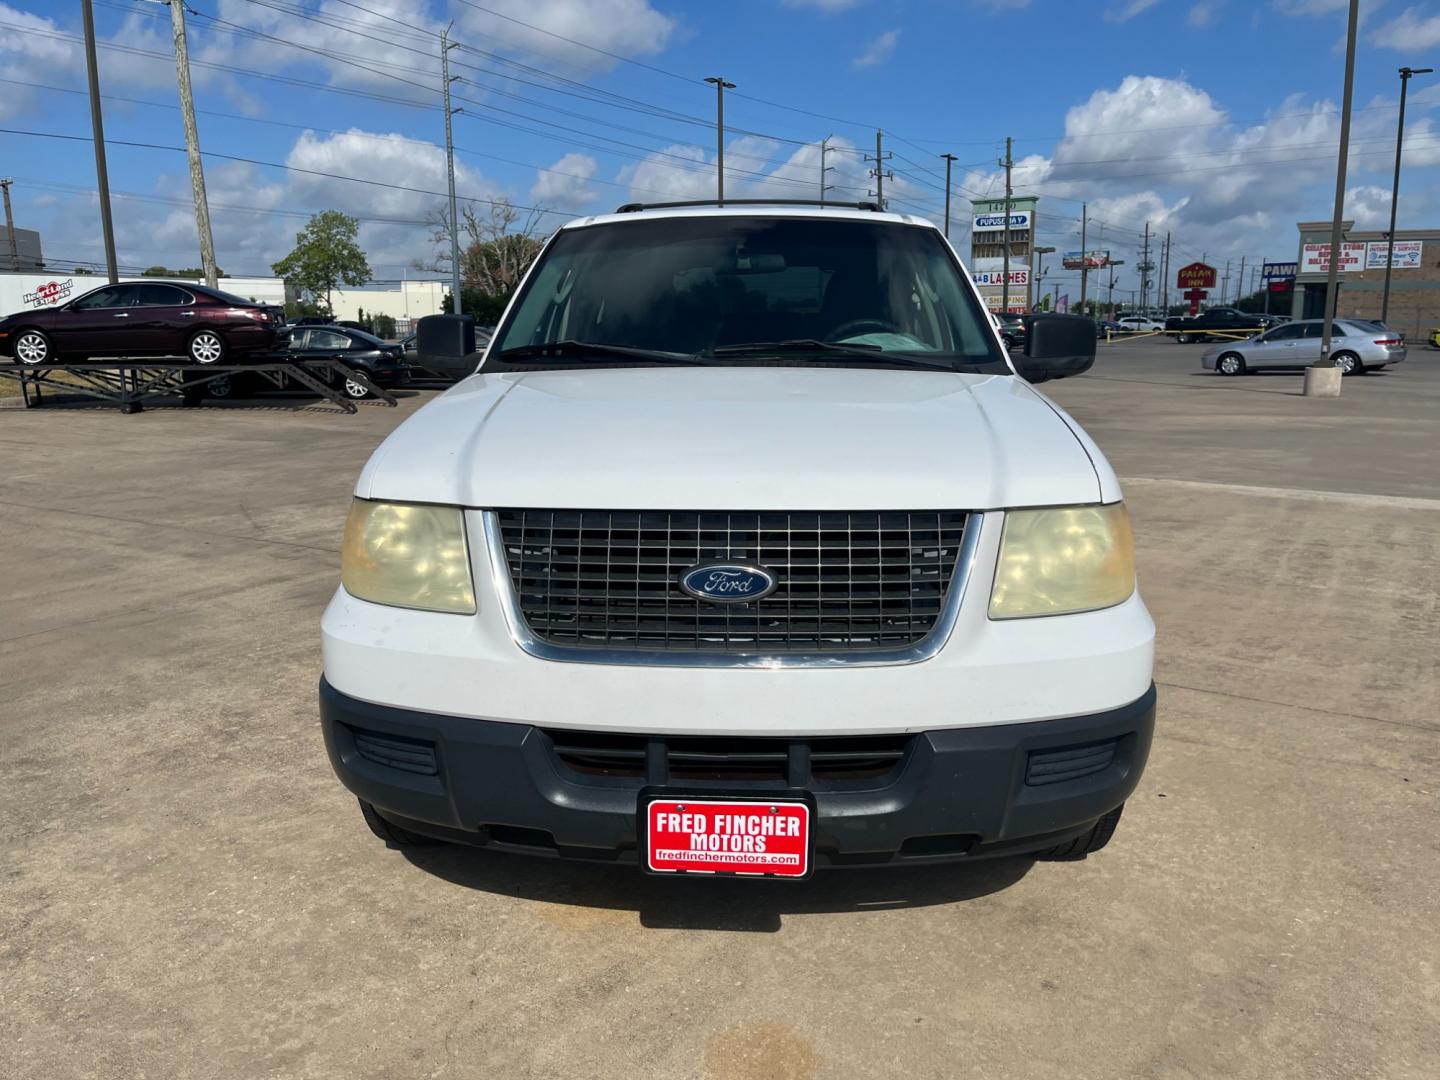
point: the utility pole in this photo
(1145, 267)
(879, 172)
(456, 307)
(1240, 292)
(10, 225)
(192, 143)
(1165, 278)
(1084, 256)
(824, 150)
(1405, 74)
(1225, 283)
(97, 129)
(1005, 259)
(949, 163)
(720, 87)
(1327, 384)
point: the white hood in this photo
(733, 438)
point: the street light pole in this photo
(720, 87)
(1113, 264)
(1040, 253)
(949, 162)
(1405, 73)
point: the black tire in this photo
(1237, 364)
(206, 346)
(1182, 339)
(33, 347)
(393, 835)
(1086, 843)
(221, 388)
(1341, 359)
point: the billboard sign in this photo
(996, 278)
(1278, 271)
(1082, 260)
(1408, 254)
(1062, 306)
(1019, 220)
(1196, 276)
(1315, 258)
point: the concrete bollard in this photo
(1322, 382)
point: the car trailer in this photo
(130, 383)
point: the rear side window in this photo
(164, 296)
(328, 339)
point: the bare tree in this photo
(497, 245)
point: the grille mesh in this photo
(847, 580)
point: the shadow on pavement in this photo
(701, 903)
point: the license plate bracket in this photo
(708, 834)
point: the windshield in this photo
(743, 289)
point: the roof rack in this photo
(635, 207)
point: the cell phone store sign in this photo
(1315, 258)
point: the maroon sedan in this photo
(142, 318)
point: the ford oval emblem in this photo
(728, 583)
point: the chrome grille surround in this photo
(926, 587)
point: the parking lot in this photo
(188, 892)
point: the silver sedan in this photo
(1357, 346)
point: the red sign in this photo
(1195, 296)
(707, 836)
(1196, 276)
(1282, 285)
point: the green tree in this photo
(189, 272)
(326, 255)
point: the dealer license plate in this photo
(727, 836)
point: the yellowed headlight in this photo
(1062, 560)
(407, 555)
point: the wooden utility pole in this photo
(1145, 267)
(1165, 278)
(949, 163)
(97, 132)
(192, 143)
(879, 171)
(824, 153)
(1084, 255)
(10, 225)
(1005, 259)
(456, 306)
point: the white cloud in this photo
(879, 50)
(1125, 10)
(1411, 31)
(28, 58)
(562, 186)
(1204, 13)
(1368, 206)
(625, 27)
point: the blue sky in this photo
(1216, 120)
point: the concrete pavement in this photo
(187, 891)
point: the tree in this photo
(326, 255)
(189, 272)
(496, 249)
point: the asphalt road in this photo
(186, 891)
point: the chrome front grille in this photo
(847, 581)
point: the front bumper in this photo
(957, 793)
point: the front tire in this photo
(1230, 363)
(1086, 843)
(393, 835)
(1182, 339)
(33, 347)
(1349, 364)
(205, 347)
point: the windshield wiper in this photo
(570, 349)
(764, 348)
(858, 350)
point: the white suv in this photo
(745, 551)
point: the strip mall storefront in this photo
(1414, 276)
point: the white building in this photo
(412, 300)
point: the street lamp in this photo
(1405, 73)
(1040, 273)
(1112, 264)
(720, 87)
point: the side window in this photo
(114, 296)
(328, 339)
(1316, 330)
(164, 296)
(1284, 333)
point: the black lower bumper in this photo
(935, 795)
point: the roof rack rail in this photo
(635, 207)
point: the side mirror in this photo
(445, 344)
(1057, 346)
